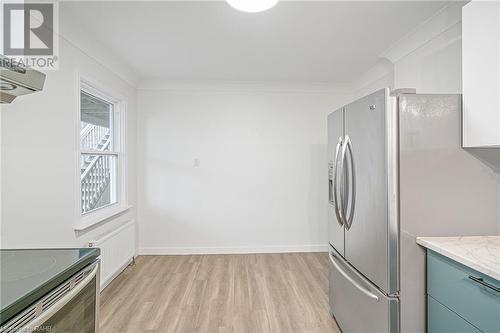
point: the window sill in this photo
(100, 216)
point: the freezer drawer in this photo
(356, 304)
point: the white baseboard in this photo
(231, 250)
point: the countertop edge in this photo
(427, 243)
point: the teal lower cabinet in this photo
(460, 299)
(443, 320)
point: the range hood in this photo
(16, 80)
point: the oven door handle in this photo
(45, 315)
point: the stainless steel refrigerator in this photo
(396, 171)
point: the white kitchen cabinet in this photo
(481, 74)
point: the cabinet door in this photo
(443, 320)
(481, 73)
(456, 287)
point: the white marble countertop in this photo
(481, 253)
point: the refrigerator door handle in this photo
(331, 168)
(338, 203)
(352, 187)
(343, 203)
(350, 279)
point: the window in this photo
(101, 165)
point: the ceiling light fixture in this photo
(252, 6)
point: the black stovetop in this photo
(27, 275)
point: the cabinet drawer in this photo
(448, 282)
(442, 320)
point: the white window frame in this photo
(103, 214)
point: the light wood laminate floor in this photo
(254, 293)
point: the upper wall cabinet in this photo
(481, 74)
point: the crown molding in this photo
(95, 50)
(382, 69)
(439, 23)
(245, 86)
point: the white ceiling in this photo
(321, 41)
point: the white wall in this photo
(379, 76)
(436, 67)
(428, 58)
(261, 183)
(38, 156)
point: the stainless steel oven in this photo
(71, 307)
